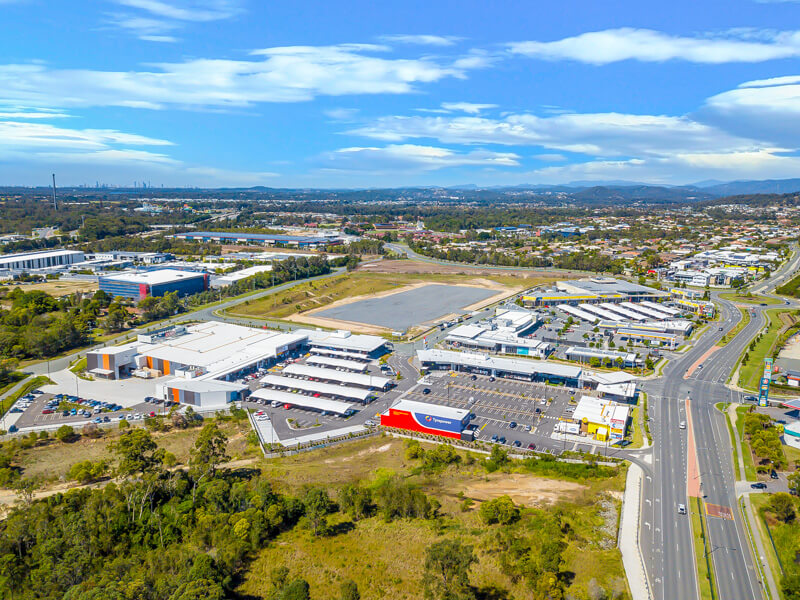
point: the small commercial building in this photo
(345, 344)
(422, 417)
(791, 434)
(477, 337)
(510, 368)
(140, 284)
(603, 357)
(202, 394)
(602, 419)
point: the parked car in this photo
(494, 439)
(773, 474)
(759, 486)
(501, 439)
(512, 425)
(47, 411)
(517, 444)
(531, 446)
(426, 391)
(370, 423)
(681, 509)
(12, 429)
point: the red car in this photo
(287, 406)
(47, 411)
(152, 414)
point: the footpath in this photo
(629, 526)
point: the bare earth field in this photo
(524, 489)
(530, 276)
(59, 287)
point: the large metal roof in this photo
(359, 379)
(328, 389)
(334, 406)
(343, 363)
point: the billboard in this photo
(763, 388)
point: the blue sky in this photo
(359, 94)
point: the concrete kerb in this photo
(629, 534)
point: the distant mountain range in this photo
(592, 193)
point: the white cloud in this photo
(769, 108)
(678, 169)
(550, 157)
(467, 107)
(202, 11)
(156, 19)
(409, 157)
(287, 74)
(16, 135)
(344, 115)
(597, 134)
(423, 40)
(647, 45)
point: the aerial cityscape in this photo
(453, 301)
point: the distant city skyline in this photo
(210, 93)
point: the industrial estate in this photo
(665, 380)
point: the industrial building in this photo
(229, 278)
(370, 382)
(427, 418)
(32, 261)
(229, 237)
(141, 284)
(512, 368)
(595, 290)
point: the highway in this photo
(666, 536)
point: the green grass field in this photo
(743, 321)
(722, 407)
(779, 535)
(746, 298)
(316, 294)
(750, 372)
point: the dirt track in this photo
(413, 266)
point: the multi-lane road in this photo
(666, 536)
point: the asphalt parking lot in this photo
(500, 403)
(33, 417)
(304, 422)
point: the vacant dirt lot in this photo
(413, 266)
(524, 489)
(61, 287)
